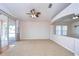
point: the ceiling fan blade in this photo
(28, 13)
(38, 13)
(33, 11)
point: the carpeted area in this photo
(37, 48)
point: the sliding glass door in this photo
(12, 33)
(7, 31)
(3, 31)
(0, 36)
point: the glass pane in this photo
(58, 27)
(77, 32)
(12, 31)
(64, 30)
(58, 30)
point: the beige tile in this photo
(37, 48)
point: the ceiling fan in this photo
(33, 13)
(75, 16)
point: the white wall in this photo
(77, 47)
(72, 44)
(34, 30)
(66, 42)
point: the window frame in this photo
(61, 30)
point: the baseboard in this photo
(32, 39)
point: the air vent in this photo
(50, 5)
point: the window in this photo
(58, 30)
(64, 30)
(61, 30)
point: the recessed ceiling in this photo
(66, 19)
(20, 9)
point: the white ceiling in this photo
(20, 9)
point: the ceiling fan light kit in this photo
(33, 16)
(75, 17)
